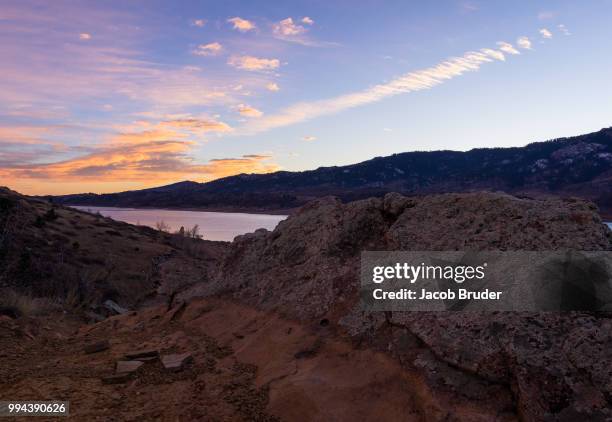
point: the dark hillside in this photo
(578, 166)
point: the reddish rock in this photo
(96, 347)
(138, 354)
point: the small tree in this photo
(194, 232)
(162, 226)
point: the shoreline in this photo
(285, 212)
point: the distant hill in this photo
(577, 166)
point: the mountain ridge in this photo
(573, 166)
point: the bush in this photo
(192, 233)
(50, 215)
(162, 226)
(17, 305)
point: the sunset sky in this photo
(116, 95)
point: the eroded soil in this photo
(247, 365)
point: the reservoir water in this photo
(213, 225)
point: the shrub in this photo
(194, 232)
(50, 215)
(162, 226)
(16, 305)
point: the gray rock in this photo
(127, 366)
(176, 362)
(114, 307)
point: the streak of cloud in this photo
(564, 29)
(410, 82)
(152, 162)
(507, 48)
(248, 111)
(251, 63)
(211, 49)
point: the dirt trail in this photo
(246, 365)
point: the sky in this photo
(107, 96)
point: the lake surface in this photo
(213, 225)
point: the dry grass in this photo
(18, 305)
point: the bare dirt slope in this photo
(247, 366)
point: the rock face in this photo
(557, 366)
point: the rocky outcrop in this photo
(557, 366)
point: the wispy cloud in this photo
(309, 138)
(496, 54)
(84, 36)
(242, 25)
(272, 86)
(198, 126)
(410, 82)
(152, 162)
(469, 6)
(253, 63)
(146, 154)
(211, 49)
(90, 72)
(507, 48)
(198, 22)
(563, 29)
(250, 163)
(524, 42)
(545, 33)
(287, 28)
(546, 15)
(248, 111)
(291, 31)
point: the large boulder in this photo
(558, 366)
